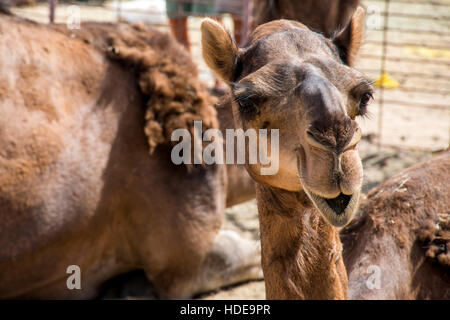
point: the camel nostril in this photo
(339, 204)
(316, 140)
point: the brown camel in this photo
(78, 186)
(398, 246)
(324, 16)
(406, 278)
(329, 17)
(292, 79)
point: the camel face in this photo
(292, 79)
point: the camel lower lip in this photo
(344, 205)
(338, 211)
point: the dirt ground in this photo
(418, 131)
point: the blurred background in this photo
(406, 52)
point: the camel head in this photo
(292, 79)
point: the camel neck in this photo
(301, 251)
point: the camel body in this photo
(406, 272)
(324, 16)
(276, 84)
(78, 185)
(397, 247)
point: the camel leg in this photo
(232, 259)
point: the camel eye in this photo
(247, 106)
(364, 101)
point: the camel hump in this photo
(166, 76)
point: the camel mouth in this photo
(339, 204)
(338, 211)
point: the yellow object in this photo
(385, 81)
(428, 52)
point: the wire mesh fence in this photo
(411, 48)
(406, 51)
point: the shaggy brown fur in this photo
(435, 238)
(166, 76)
(168, 79)
(403, 227)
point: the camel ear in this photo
(219, 49)
(349, 40)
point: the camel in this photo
(293, 79)
(416, 283)
(324, 16)
(398, 245)
(86, 175)
(328, 17)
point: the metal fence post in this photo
(52, 8)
